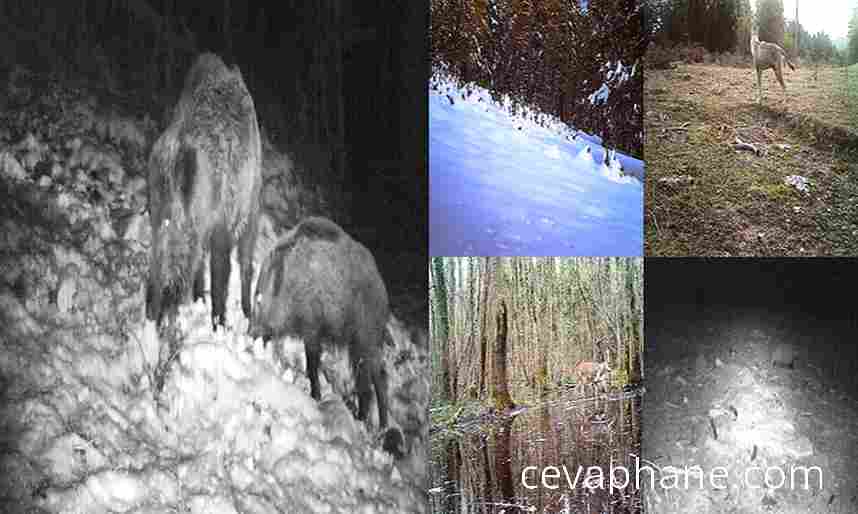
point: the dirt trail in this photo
(704, 197)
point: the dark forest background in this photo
(548, 53)
(340, 87)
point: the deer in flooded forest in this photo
(588, 372)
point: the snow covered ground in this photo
(233, 429)
(505, 184)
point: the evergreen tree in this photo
(743, 26)
(770, 21)
(546, 53)
(852, 53)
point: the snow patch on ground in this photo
(232, 431)
(524, 183)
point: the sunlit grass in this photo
(852, 91)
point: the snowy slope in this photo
(503, 184)
(232, 431)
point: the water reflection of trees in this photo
(484, 470)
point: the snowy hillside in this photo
(233, 429)
(524, 184)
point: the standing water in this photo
(538, 460)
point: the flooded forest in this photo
(536, 370)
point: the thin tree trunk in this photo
(443, 324)
(484, 324)
(502, 399)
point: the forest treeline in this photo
(853, 37)
(553, 311)
(725, 26)
(550, 53)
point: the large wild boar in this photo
(587, 371)
(320, 285)
(204, 192)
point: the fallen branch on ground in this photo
(741, 145)
(684, 126)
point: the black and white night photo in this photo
(213, 256)
(752, 385)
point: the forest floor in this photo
(82, 428)
(718, 414)
(798, 195)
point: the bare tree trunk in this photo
(797, 32)
(503, 461)
(443, 324)
(473, 304)
(533, 310)
(454, 463)
(484, 323)
(502, 399)
(551, 291)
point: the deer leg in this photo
(780, 74)
(759, 85)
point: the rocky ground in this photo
(715, 399)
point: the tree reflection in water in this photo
(480, 470)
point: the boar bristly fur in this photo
(204, 192)
(320, 285)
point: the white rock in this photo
(136, 185)
(74, 144)
(115, 173)
(106, 231)
(10, 167)
(65, 294)
(29, 143)
(134, 231)
(30, 159)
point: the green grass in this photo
(852, 93)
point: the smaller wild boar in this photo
(320, 285)
(588, 371)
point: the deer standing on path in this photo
(768, 55)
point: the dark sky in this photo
(811, 284)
